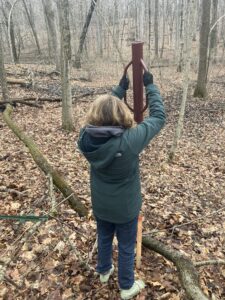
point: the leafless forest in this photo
(56, 57)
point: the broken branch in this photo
(187, 272)
(44, 165)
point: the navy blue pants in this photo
(126, 236)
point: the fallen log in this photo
(187, 272)
(41, 99)
(21, 82)
(20, 101)
(44, 165)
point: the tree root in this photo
(187, 272)
(44, 165)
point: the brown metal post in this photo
(137, 58)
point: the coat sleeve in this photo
(140, 136)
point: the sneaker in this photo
(133, 291)
(104, 278)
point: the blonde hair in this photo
(108, 110)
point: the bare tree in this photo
(83, 34)
(52, 31)
(164, 26)
(156, 28)
(11, 31)
(149, 31)
(213, 34)
(65, 59)
(188, 36)
(2, 70)
(200, 89)
(30, 17)
(181, 37)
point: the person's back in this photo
(112, 145)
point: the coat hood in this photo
(106, 141)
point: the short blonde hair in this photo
(108, 110)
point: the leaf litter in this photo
(191, 191)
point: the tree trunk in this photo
(156, 28)
(5, 21)
(149, 32)
(213, 34)
(44, 165)
(100, 36)
(5, 94)
(11, 33)
(181, 37)
(52, 30)
(77, 63)
(65, 60)
(200, 89)
(164, 26)
(189, 29)
(30, 18)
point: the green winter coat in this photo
(114, 175)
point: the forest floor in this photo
(50, 265)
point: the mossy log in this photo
(187, 272)
(44, 165)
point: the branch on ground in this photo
(187, 272)
(21, 82)
(5, 261)
(44, 165)
(213, 262)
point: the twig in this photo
(64, 200)
(211, 29)
(90, 254)
(65, 224)
(6, 261)
(53, 210)
(20, 194)
(77, 254)
(9, 280)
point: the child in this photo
(112, 144)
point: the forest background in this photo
(56, 57)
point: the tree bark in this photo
(77, 63)
(44, 165)
(213, 36)
(11, 33)
(30, 18)
(181, 37)
(187, 272)
(187, 55)
(52, 36)
(200, 89)
(3, 81)
(156, 28)
(65, 60)
(149, 32)
(164, 26)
